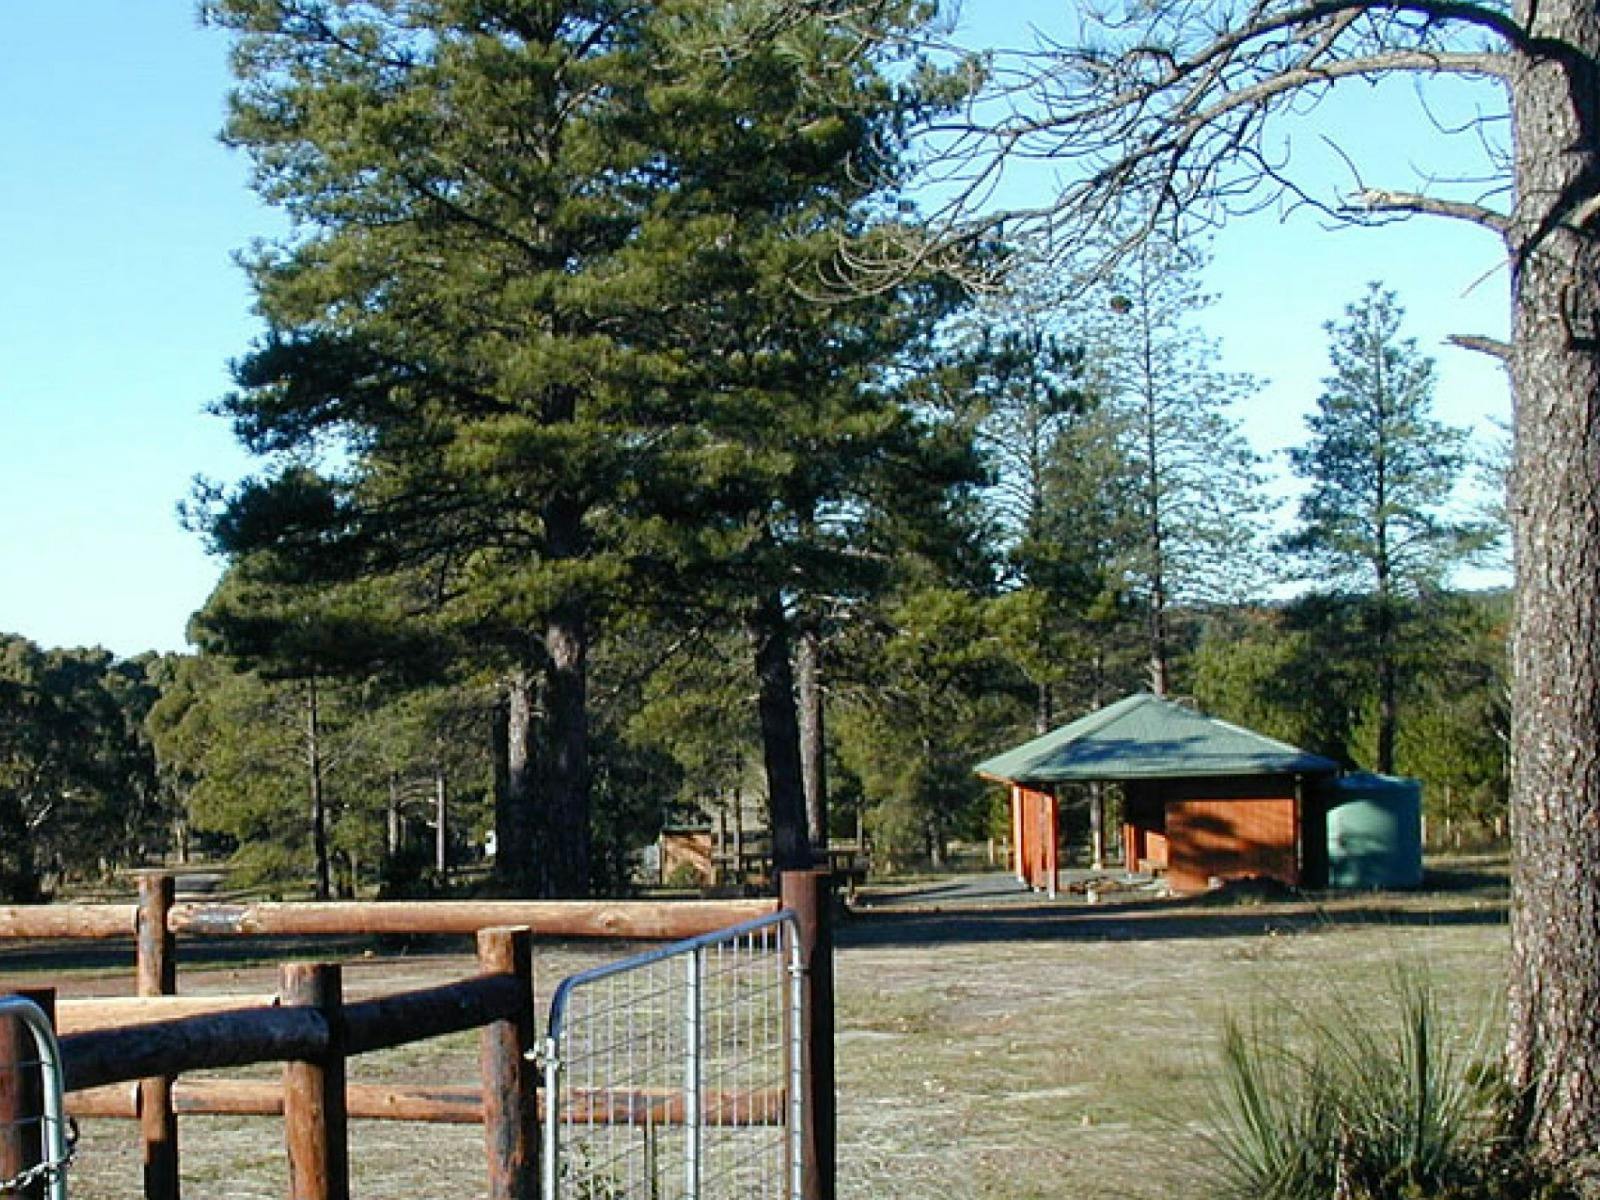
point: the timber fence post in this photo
(510, 1112)
(22, 1132)
(314, 1114)
(156, 969)
(810, 895)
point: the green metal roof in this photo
(1146, 737)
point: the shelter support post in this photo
(1019, 866)
(1097, 825)
(1052, 847)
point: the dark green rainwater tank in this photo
(1374, 832)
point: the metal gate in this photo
(48, 1130)
(675, 1074)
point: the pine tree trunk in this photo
(515, 763)
(441, 818)
(319, 807)
(566, 776)
(1156, 500)
(780, 736)
(392, 818)
(1388, 681)
(813, 732)
(1554, 1000)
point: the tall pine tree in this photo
(1194, 478)
(1380, 472)
(543, 335)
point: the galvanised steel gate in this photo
(49, 1128)
(676, 1074)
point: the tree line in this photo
(1094, 526)
(594, 492)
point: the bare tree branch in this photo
(1493, 347)
(1377, 200)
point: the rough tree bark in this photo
(813, 731)
(1554, 995)
(566, 771)
(768, 627)
(515, 764)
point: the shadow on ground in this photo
(995, 908)
(1136, 921)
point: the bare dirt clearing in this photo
(1014, 1050)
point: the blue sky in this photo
(120, 305)
(119, 308)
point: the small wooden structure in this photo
(688, 856)
(1203, 801)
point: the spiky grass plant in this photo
(1341, 1103)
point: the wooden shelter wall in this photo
(689, 852)
(1037, 832)
(1231, 838)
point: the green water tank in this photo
(1374, 832)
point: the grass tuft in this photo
(1342, 1103)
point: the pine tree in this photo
(788, 135)
(1380, 473)
(546, 331)
(1059, 482)
(1194, 479)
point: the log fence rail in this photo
(123, 1056)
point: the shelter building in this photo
(1203, 800)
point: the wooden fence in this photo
(123, 1057)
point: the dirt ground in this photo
(992, 1047)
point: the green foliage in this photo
(1296, 673)
(1380, 470)
(553, 330)
(236, 746)
(1305, 672)
(78, 793)
(1348, 1103)
(1457, 732)
(942, 686)
(1380, 474)
(1193, 508)
(1055, 506)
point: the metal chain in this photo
(44, 1172)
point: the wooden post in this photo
(22, 1143)
(1052, 815)
(1097, 826)
(156, 971)
(810, 895)
(510, 1114)
(1019, 837)
(314, 1117)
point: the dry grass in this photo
(1064, 1051)
(1013, 1051)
